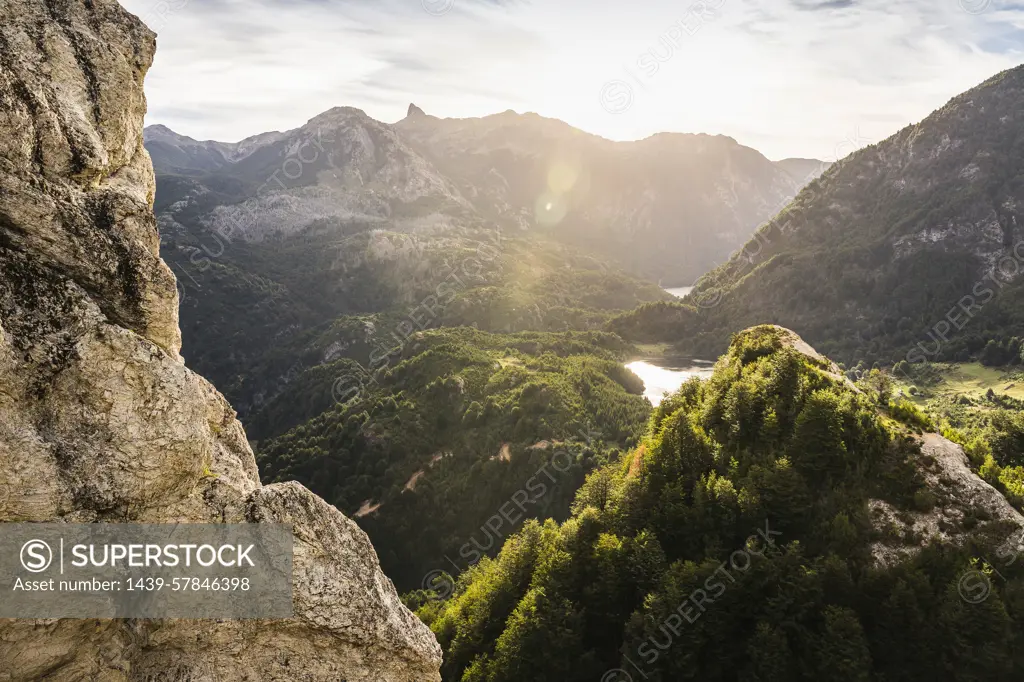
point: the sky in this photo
(810, 78)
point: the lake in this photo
(667, 377)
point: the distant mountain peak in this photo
(337, 115)
(161, 132)
(415, 111)
(158, 128)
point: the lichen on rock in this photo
(100, 421)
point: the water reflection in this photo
(659, 380)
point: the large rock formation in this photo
(99, 418)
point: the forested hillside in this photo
(258, 314)
(425, 453)
(775, 523)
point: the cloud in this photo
(815, 5)
(788, 77)
(226, 69)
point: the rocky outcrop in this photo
(99, 418)
(961, 500)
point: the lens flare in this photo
(550, 209)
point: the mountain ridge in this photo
(590, 204)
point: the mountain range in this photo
(879, 517)
(327, 238)
(667, 208)
(318, 261)
(348, 215)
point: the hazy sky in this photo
(787, 77)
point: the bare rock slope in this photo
(959, 493)
(99, 418)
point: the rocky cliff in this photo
(100, 420)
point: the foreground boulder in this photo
(100, 420)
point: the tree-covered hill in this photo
(776, 523)
(465, 423)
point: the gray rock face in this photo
(99, 418)
(960, 494)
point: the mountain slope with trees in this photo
(464, 423)
(909, 249)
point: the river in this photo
(680, 292)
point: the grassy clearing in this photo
(969, 379)
(654, 350)
(973, 378)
